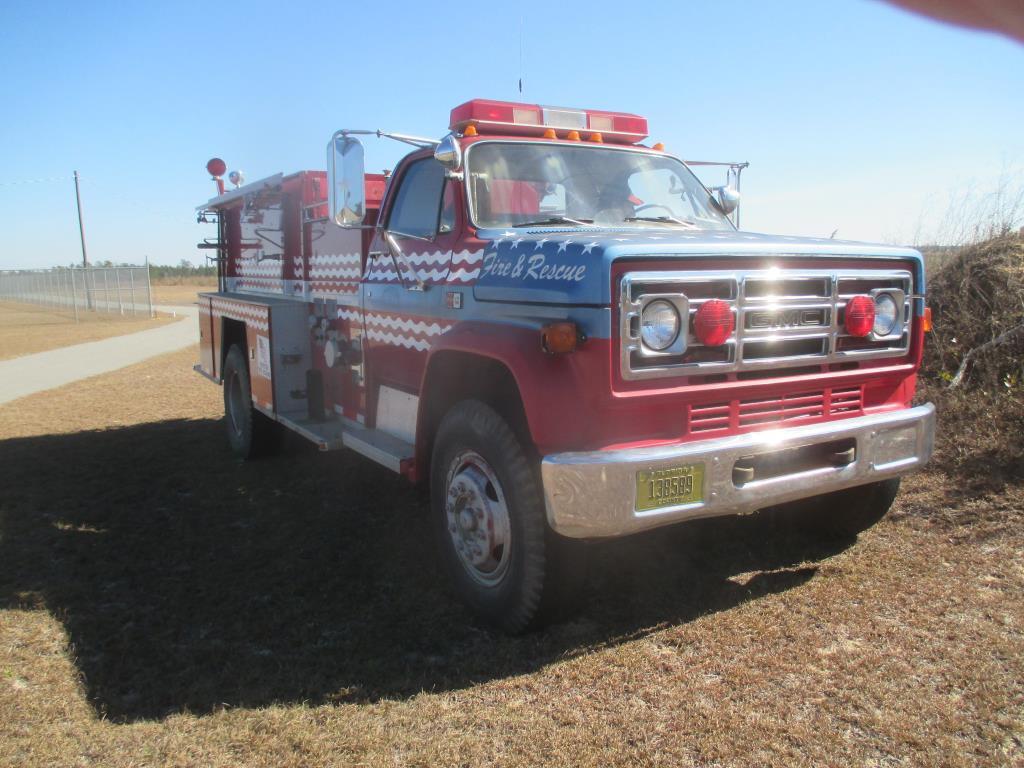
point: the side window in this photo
(447, 209)
(418, 205)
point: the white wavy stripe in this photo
(437, 258)
(335, 259)
(328, 289)
(261, 284)
(266, 268)
(337, 273)
(398, 341)
(352, 315)
(227, 305)
(408, 325)
(463, 276)
(389, 275)
(468, 257)
(243, 313)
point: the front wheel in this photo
(488, 516)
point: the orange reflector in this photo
(550, 134)
(927, 319)
(596, 137)
(573, 135)
(470, 130)
(659, 147)
(559, 338)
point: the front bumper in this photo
(593, 494)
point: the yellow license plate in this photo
(657, 488)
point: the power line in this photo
(44, 180)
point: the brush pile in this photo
(973, 365)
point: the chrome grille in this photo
(784, 318)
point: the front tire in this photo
(250, 433)
(491, 528)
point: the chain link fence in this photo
(122, 290)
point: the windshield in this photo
(524, 183)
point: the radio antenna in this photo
(520, 55)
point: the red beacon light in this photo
(512, 119)
(216, 168)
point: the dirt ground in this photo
(26, 329)
(163, 604)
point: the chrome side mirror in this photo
(346, 185)
(449, 153)
(728, 199)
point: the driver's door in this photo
(410, 254)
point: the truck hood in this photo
(571, 266)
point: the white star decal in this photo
(507, 234)
(589, 247)
(540, 244)
(516, 242)
(621, 239)
(563, 245)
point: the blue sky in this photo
(854, 115)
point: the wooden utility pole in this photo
(81, 226)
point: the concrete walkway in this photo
(45, 370)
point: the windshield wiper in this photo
(664, 220)
(554, 220)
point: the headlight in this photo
(659, 325)
(887, 315)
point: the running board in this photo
(338, 432)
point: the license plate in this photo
(657, 488)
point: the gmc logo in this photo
(787, 318)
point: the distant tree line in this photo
(185, 268)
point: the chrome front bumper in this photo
(593, 494)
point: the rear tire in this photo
(491, 528)
(843, 514)
(250, 433)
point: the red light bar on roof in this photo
(509, 118)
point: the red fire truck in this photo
(562, 331)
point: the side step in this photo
(339, 432)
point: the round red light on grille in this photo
(860, 315)
(713, 323)
(216, 167)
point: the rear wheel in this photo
(488, 516)
(250, 433)
(844, 514)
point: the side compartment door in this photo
(403, 298)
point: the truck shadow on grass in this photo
(188, 581)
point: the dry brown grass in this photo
(26, 328)
(181, 294)
(162, 604)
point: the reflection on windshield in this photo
(523, 183)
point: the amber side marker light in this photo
(573, 135)
(550, 134)
(927, 319)
(470, 130)
(560, 338)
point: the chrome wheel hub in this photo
(477, 518)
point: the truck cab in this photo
(564, 333)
